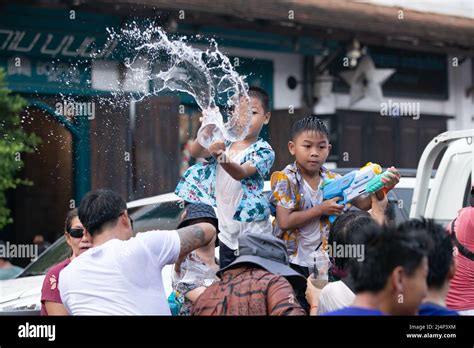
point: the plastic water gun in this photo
(367, 179)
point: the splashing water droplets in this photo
(208, 76)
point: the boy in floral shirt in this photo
(232, 180)
(301, 214)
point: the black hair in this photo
(69, 217)
(261, 95)
(345, 229)
(100, 207)
(385, 249)
(309, 123)
(440, 257)
(390, 214)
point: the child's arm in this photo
(378, 208)
(290, 219)
(235, 170)
(238, 171)
(198, 151)
(390, 180)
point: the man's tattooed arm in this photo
(195, 236)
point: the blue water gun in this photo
(367, 179)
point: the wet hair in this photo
(99, 208)
(390, 214)
(309, 123)
(261, 95)
(345, 229)
(69, 217)
(440, 258)
(385, 249)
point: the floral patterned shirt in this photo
(50, 290)
(288, 191)
(198, 184)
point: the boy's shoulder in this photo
(291, 172)
(262, 144)
(256, 146)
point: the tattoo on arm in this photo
(192, 237)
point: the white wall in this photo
(463, 8)
(460, 78)
(284, 66)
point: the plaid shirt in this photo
(248, 291)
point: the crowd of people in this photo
(267, 246)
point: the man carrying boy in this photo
(232, 180)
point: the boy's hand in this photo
(216, 149)
(391, 178)
(330, 207)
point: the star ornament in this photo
(366, 81)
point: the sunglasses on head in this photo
(76, 232)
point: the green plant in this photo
(14, 141)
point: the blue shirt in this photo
(434, 309)
(354, 311)
(10, 272)
(198, 184)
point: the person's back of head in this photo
(101, 209)
(395, 267)
(267, 252)
(390, 214)
(345, 231)
(440, 257)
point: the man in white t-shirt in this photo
(121, 274)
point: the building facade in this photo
(297, 52)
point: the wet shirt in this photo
(121, 277)
(50, 290)
(194, 273)
(248, 291)
(198, 184)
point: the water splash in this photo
(157, 63)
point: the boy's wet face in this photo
(258, 116)
(311, 149)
